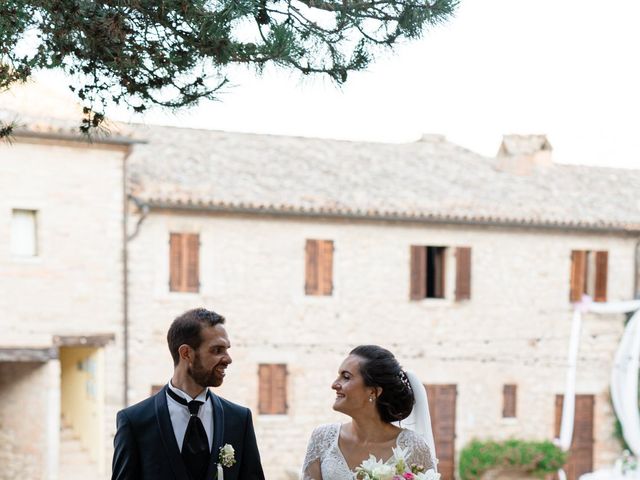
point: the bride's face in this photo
(351, 393)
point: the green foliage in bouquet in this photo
(534, 458)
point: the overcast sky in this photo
(567, 68)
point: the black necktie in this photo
(195, 447)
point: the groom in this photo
(178, 433)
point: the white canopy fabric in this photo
(624, 376)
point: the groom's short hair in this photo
(186, 328)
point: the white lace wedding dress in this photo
(324, 455)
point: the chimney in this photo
(524, 154)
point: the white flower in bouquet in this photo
(428, 475)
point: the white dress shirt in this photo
(180, 414)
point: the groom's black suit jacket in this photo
(146, 447)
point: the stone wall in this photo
(515, 328)
(27, 447)
(73, 286)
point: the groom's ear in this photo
(185, 352)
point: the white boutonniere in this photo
(227, 456)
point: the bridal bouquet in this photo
(396, 469)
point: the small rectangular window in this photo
(24, 233)
(272, 389)
(428, 265)
(589, 272)
(509, 401)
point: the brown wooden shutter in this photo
(279, 389)
(602, 260)
(264, 389)
(463, 273)
(175, 262)
(509, 401)
(418, 277)
(580, 460)
(184, 262)
(311, 285)
(192, 263)
(442, 407)
(272, 386)
(578, 274)
(326, 267)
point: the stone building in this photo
(465, 266)
(62, 214)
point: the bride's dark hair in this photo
(379, 368)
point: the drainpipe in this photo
(143, 208)
(125, 280)
(636, 283)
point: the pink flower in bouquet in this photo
(408, 476)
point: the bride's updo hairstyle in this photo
(379, 368)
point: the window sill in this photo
(434, 302)
(28, 260)
(509, 420)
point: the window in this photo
(319, 267)
(184, 262)
(589, 275)
(509, 401)
(24, 233)
(272, 379)
(428, 272)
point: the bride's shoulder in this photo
(326, 430)
(324, 436)
(417, 445)
(409, 438)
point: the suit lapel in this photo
(218, 434)
(168, 437)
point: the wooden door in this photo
(442, 406)
(580, 459)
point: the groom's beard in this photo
(203, 377)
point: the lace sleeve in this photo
(316, 446)
(419, 452)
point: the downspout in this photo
(636, 283)
(125, 280)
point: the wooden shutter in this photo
(442, 407)
(418, 276)
(264, 389)
(279, 389)
(272, 386)
(463, 273)
(184, 262)
(326, 267)
(580, 460)
(311, 285)
(175, 262)
(192, 262)
(509, 401)
(578, 274)
(602, 260)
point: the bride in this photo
(374, 391)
